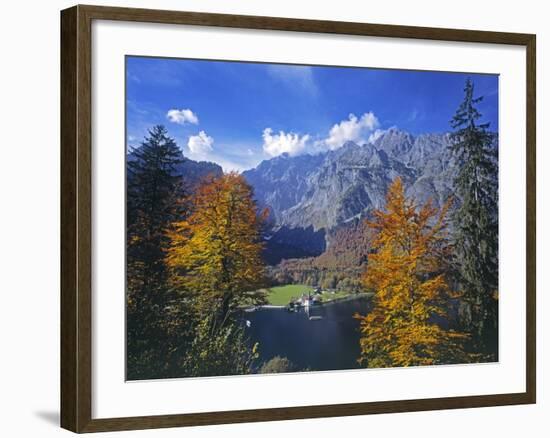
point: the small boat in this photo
(315, 318)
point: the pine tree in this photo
(475, 220)
(407, 273)
(154, 193)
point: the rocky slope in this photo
(310, 195)
(330, 189)
(194, 172)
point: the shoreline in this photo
(334, 301)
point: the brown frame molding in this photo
(76, 173)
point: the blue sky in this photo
(237, 114)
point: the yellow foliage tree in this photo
(215, 254)
(407, 274)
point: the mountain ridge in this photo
(336, 186)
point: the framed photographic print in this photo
(268, 218)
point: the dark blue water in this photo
(330, 343)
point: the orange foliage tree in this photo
(215, 254)
(407, 274)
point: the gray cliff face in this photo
(336, 187)
(350, 182)
(281, 183)
(437, 170)
(194, 172)
(395, 143)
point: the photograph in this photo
(285, 218)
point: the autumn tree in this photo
(154, 191)
(216, 265)
(406, 271)
(475, 220)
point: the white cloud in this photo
(376, 135)
(360, 130)
(230, 165)
(277, 144)
(354, 129)
(182, 116)
(200, 144)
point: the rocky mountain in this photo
(335, 187)
(350, 182)
(282, 182)
(310, 195)
(193, 172)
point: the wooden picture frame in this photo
(76, 217)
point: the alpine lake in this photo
(316, 337)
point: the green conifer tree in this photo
(154, 194)
(475, 220)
